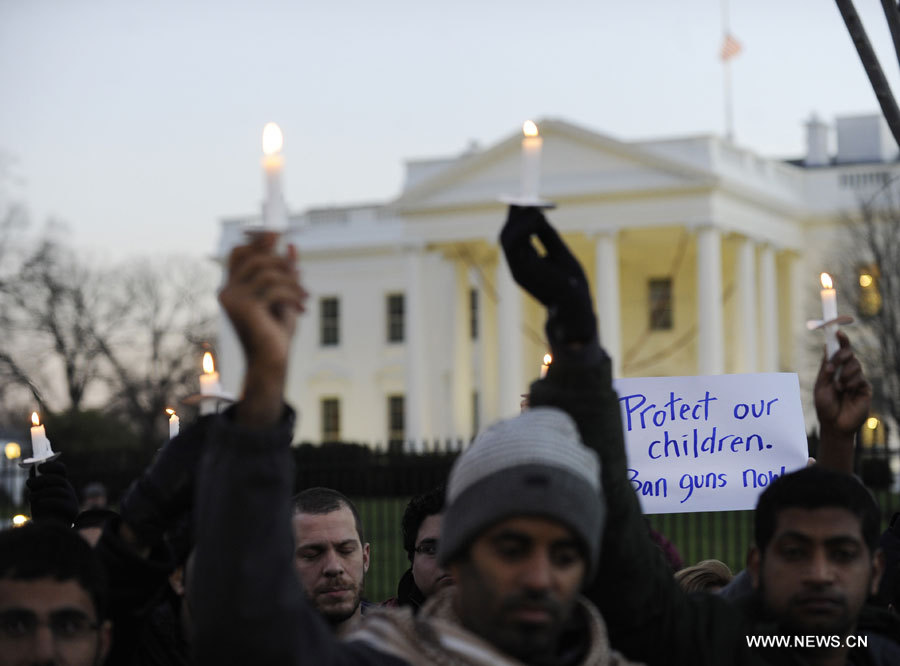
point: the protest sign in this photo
(710, 443)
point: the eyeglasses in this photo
(65, 625)
(427, 548)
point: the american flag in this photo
(730, 48)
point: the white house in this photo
(703, 257)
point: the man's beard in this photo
(532, 643)
(800, 617)
(335, 614)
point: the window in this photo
(331, 420)
(869, 291)
(660, 301)
(395, 318)
(473, 313)
(396, 430)
(329, 321)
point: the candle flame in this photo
(826, 281)
(208, 366)
(272, 139)
(170, 411)
(865, 280)
(529, 128)
(548, 359)
(35, 420)
(871, 423)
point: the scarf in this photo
(437, 636)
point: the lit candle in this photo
(209, 384)
(173, 422)
(531, 161)
(829, 313)
(40, 445)
(548, 359)
(274, 210)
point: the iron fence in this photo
(381, 480)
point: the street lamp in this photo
(12, 450)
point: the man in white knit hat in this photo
(521, 534)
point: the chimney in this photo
(863, 139)
(816, 142)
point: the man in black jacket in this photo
(650, 618)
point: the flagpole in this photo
(729, 110)
(726, 75)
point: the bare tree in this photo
(872, 286)
(158, 320)
(76, 335)
(51, 305)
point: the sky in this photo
(138, 124)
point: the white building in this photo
(703, 258)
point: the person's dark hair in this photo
(93, 518)
(34, 551)
(816, 487)
(318, 501)
(94, 489)
(418, 509)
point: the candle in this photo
(209, 380)
(40, 445)
(829, 313)
(209, 384)
(274, 210)
(548, 359)
(531, 161)
(173, 422)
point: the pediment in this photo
(575, 162)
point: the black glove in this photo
(556, 279)
(52, 497)
(165, 491)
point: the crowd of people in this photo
(534, 552)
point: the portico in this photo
(691, 248)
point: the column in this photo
(745, 328)
(606, 293)
(798, 340)
(462, 353)
(417, 421)
(768, 305)
(487, 351)
(710, 337)
(511, 382)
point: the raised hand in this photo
(263, 298)
(51, 495)
(555, 279)
(843, 402)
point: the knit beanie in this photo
(531, 465)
